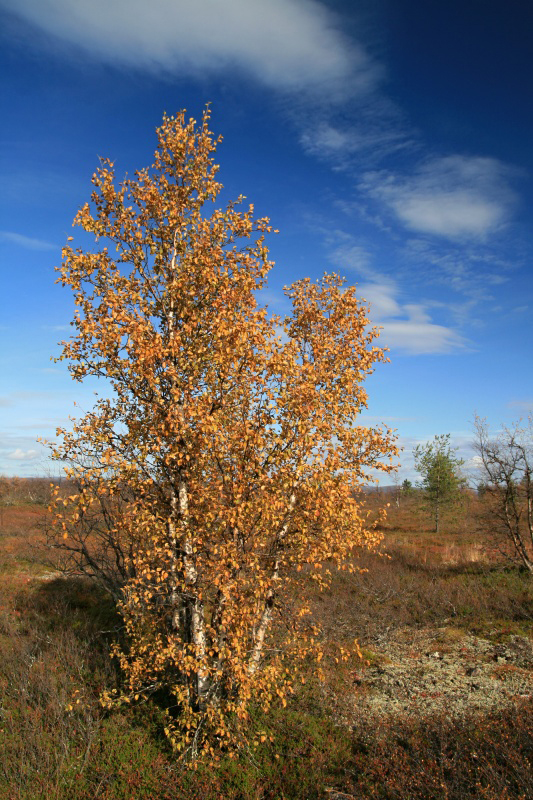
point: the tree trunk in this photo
(266, 616)
(188, 616)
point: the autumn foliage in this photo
(227, 461)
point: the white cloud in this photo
(472, 269)
(353, 257)
(459, 440)
(283, 43)
(407, 327)
(420, 336)
(381, 297)
(455, 197)
(29, 242)
(23, 455)
(375, 133)
(327, 139)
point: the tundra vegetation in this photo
(439, 704)
(225, 467)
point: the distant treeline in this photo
(16, 491)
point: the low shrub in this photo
(487, 757)
(54, 651)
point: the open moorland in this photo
(438, 706)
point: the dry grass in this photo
(22, 548)
(54, 639)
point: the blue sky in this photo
(389, 140)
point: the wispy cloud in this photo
(15, 398)
(326, 137)
(460, 440)
(471, 269)
(28, 242)
(455, 197)
(366, 131)
(283, 43)
(407, 327)
(37, 396)
(522, 406)
(23, 455)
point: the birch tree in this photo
(506, 464)
(223, 471)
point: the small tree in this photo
(441, 480)
(227, 458)
(506, 463)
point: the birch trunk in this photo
(266, 616)
(188, 612)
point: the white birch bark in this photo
(183, 551)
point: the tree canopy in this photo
(223, 470)
(440, 469)
(506, 464)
